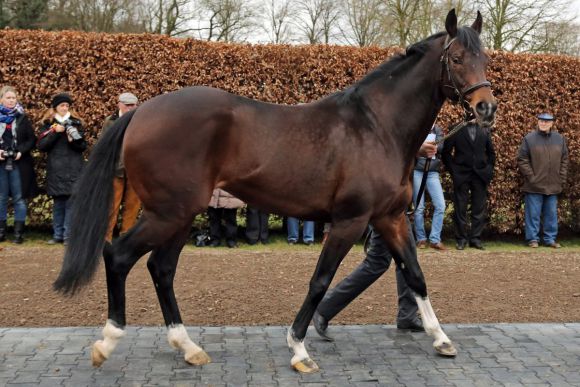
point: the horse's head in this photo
(464, 65)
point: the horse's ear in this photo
(477, 23)
(451, 23)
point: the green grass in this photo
(278, 242)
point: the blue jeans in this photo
(61, 212)
(535, 206)
(433, 186)
(307, 230)
(10, 186)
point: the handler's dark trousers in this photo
(256, 225)
(478, 191)
(376, 262)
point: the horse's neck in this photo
(406, 112)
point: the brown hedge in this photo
(96, 67)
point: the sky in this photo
(576, 7)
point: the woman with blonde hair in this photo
(17, 178)
(62, 138)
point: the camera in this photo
(9, 155)
(71, 131)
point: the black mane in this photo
(401, 63)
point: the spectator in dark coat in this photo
(543, 160)
(17, 178)
(469, 157)
(223, 206)
(62, 137)
(256, 226)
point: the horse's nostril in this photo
(493, 107)
(481, 108)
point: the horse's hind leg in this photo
(398, 236)
(162, 264)
(120, 258)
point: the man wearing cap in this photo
(543, 160)
(123, 191)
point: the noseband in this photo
(460, 93)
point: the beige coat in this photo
(223, 199)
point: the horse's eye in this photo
(456, 60)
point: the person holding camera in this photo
(17, 178)
(62, 138)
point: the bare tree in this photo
(167, 17)
(404, 15)
(309, 19)
(227, 20)
(561, 38)
(278, 25)
(94, 15)
(365, 22)
(317, 20)
(513, 24)
(329, 20)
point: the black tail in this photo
(90, 211)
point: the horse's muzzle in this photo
(485, 113)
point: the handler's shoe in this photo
(414, 325)
(554, 245)
(533, 244)
(321, 325)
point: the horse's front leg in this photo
(342, 236)
(399, 238)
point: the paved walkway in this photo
(369, 355)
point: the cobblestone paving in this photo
(369, 355)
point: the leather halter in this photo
(460, 93)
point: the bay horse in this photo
(344, 159)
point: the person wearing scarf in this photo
(62, 138)
(17, 178)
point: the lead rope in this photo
(451, 133)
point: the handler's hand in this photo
(428, 149)
(18, 156)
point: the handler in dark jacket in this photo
(17, 177)
(543, 160)
(62, 137)
(469, 157)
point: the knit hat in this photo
(60, 98)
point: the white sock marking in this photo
(298, 347)
(179, 339)
(111, 335)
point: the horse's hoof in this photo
(446, 349)
(306, 366)
(198, 359)
(97, 355)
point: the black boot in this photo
(18, 232)
(2, 230)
